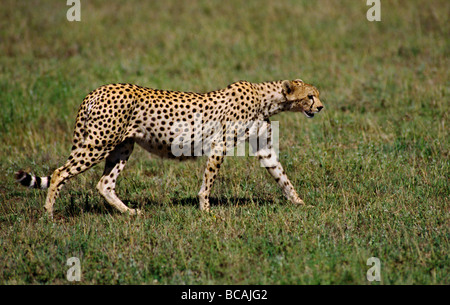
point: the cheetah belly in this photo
(163, 150)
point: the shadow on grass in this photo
(102, 207)
(193, 201)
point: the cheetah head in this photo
(302, 97)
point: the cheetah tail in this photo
(32, 181)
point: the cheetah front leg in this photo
(212, 168)
(269, 160)
(267, 156)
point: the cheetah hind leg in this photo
(70, 169)
(115, 163)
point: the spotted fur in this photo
(114, 117)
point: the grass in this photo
(374, 163)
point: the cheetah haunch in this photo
(114, 117)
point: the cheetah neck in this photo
(272, 98)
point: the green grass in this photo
(374, 163)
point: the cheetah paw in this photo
(135, 212)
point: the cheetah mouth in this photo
(308, 114)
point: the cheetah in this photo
(112, 118)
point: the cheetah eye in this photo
(311, 97)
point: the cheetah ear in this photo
(287, 86)
(299, 80)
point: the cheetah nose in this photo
(319, 108)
